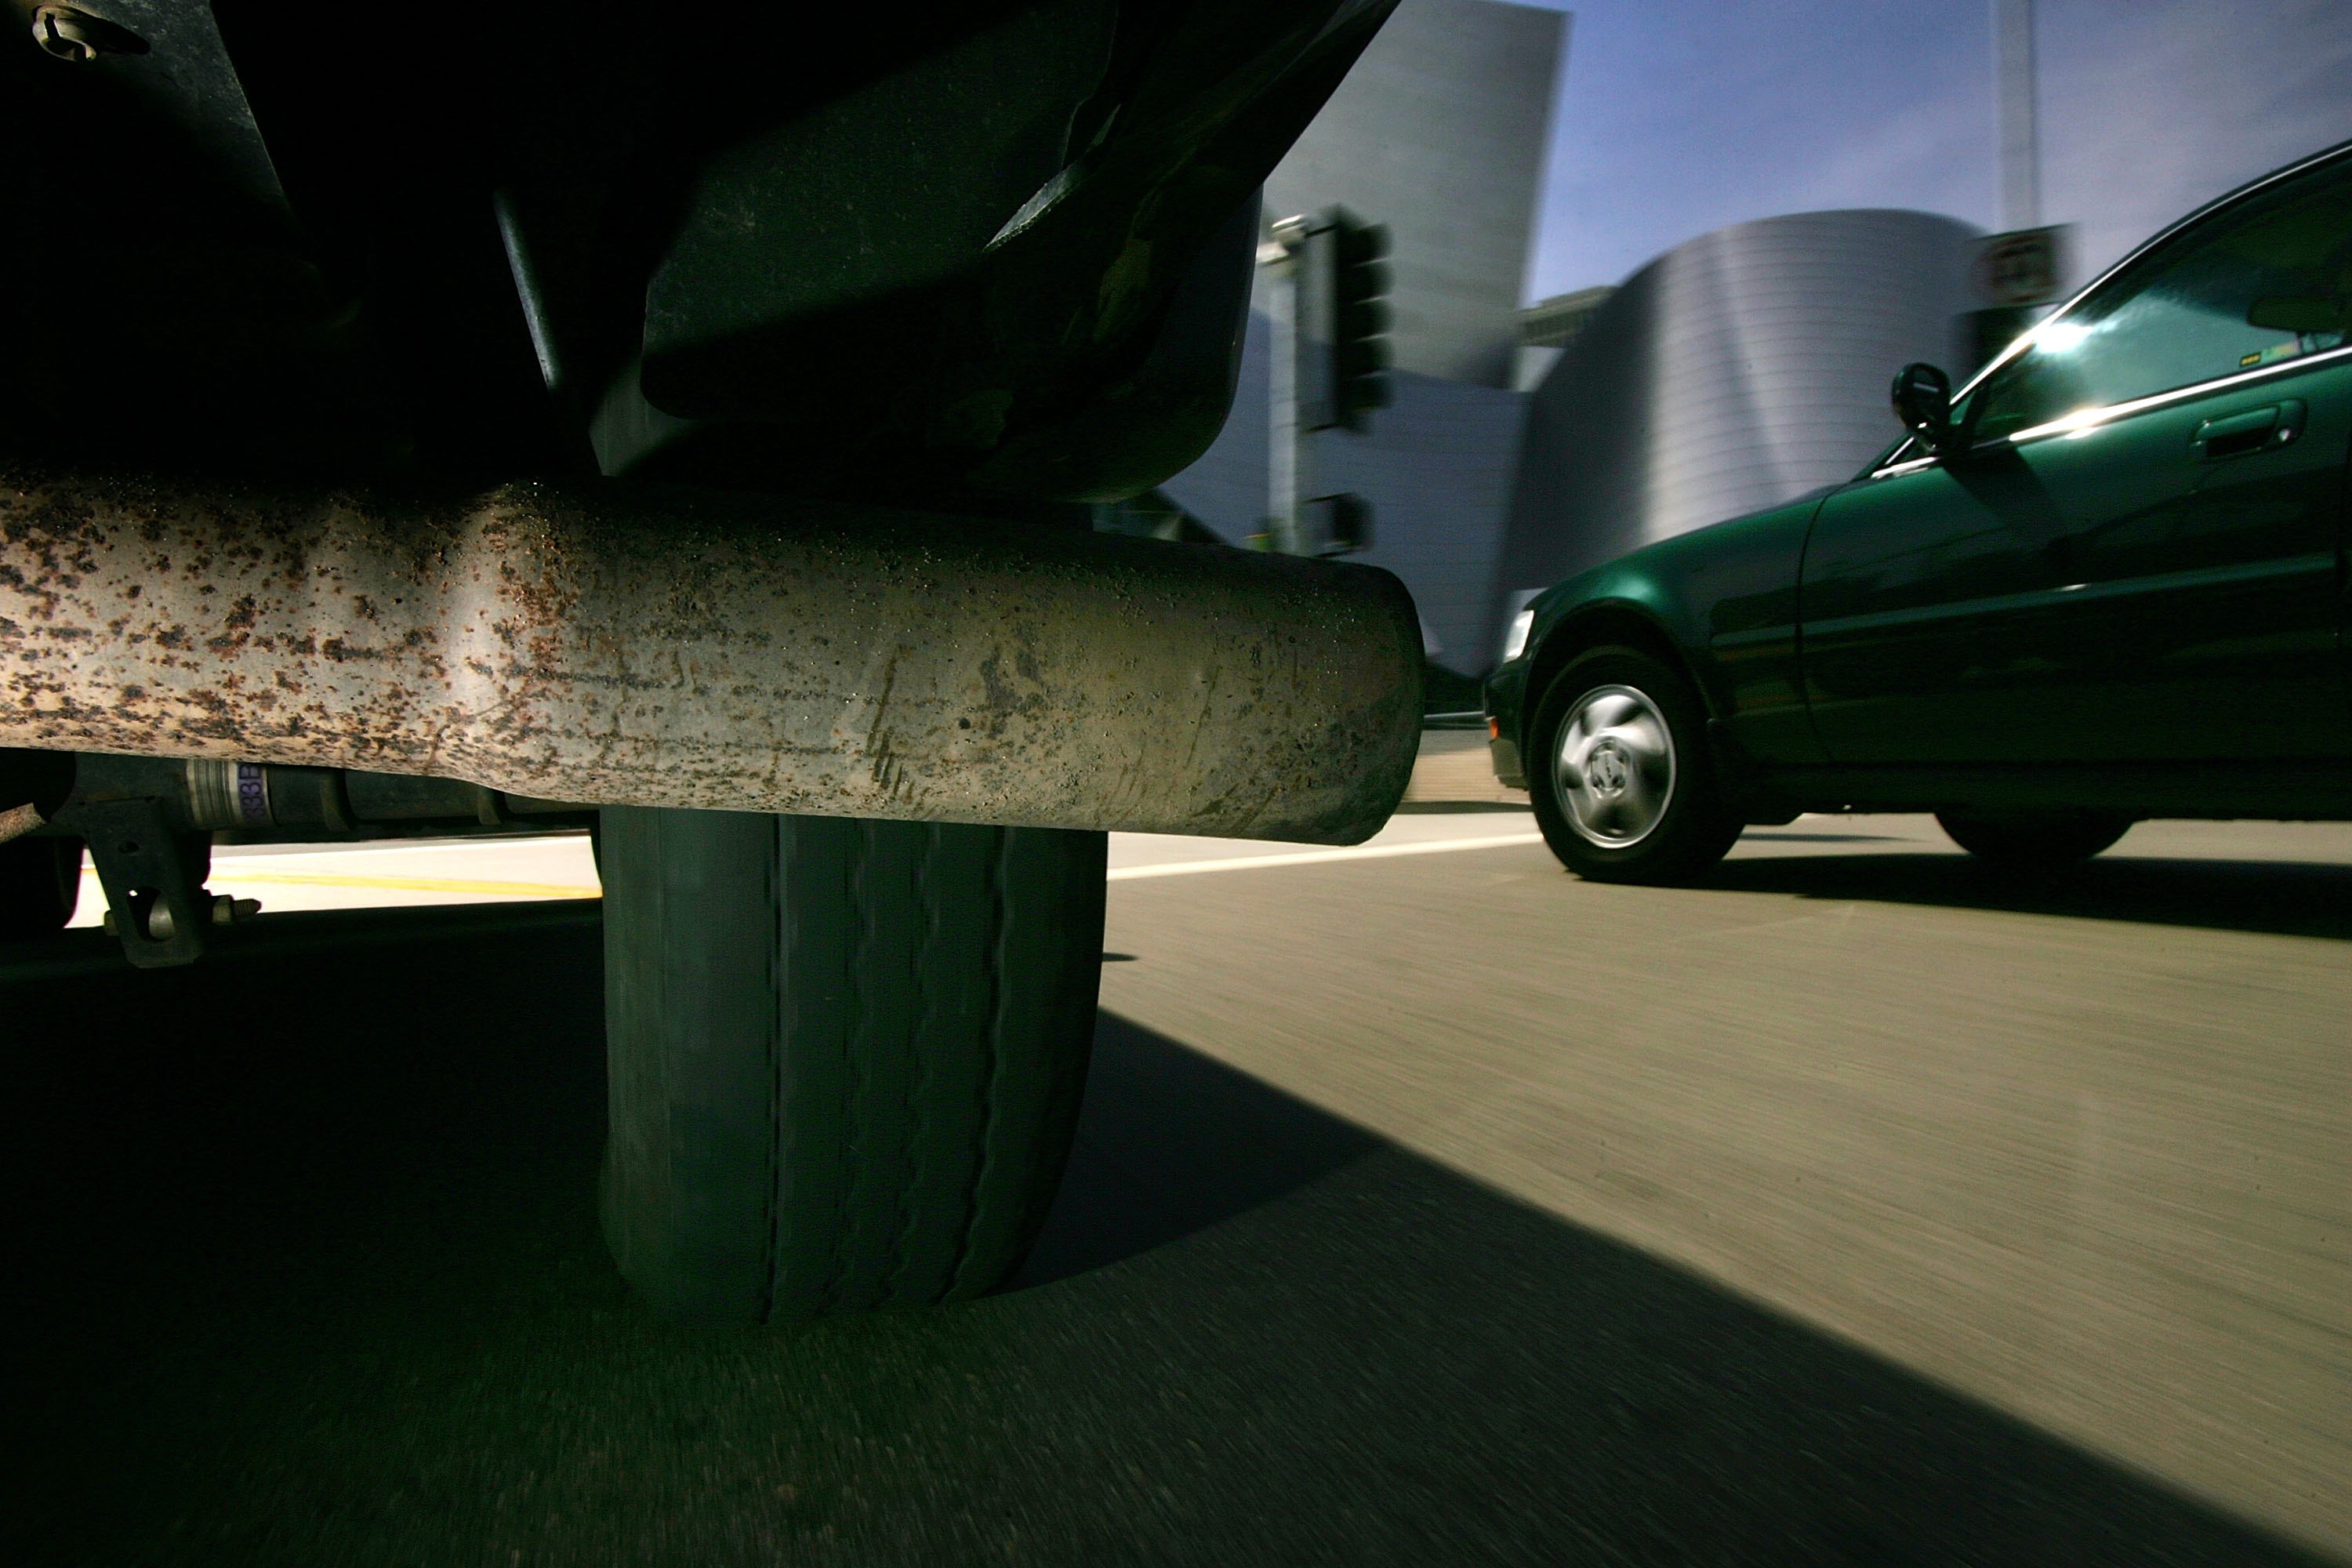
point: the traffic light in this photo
(1343, 318)
(1360, 347)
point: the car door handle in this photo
(2255, 430)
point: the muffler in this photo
(613, 645)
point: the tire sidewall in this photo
(1696, 829)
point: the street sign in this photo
(2024, 267)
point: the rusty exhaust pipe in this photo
(624, 646)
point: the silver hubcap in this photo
(1615, 767)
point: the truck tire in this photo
(845, 1056)
(40, 884)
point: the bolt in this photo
(228, 912)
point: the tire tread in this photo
(924, 1008)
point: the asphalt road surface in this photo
(1430, 1206)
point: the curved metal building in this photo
(1735, 372)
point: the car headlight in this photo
(1515, 641)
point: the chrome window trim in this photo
(2076, 422)
(1907, 466)
(2091, 418)
(2086, 419)
(2230, 199)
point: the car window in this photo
(2267, 281)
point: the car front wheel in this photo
(1622, 783)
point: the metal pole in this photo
(1280, 258)
(2021, 148)
(1306, 524)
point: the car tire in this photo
(844, 1057)
(2034, 840)
(40, 886)
(1620, 774)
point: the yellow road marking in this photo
(222, 879)
(416, 884)
(224, 876)
(1314, 857)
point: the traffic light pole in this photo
(1290, 456)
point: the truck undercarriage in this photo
(684, 425)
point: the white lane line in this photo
(544, 842)
(1314, 857)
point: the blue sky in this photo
(1680, 116)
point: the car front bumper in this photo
(1505, 696)
(1506, 763)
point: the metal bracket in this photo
(154, 877)
(171, 55)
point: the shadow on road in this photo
(2281, 898)
(1170, 1142)
(1766, 836)
(304, 1270)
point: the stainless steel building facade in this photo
(1736, 371)
(1439, 133)
(1437, 468)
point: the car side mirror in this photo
(1923, 403)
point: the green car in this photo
(2106, 581)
